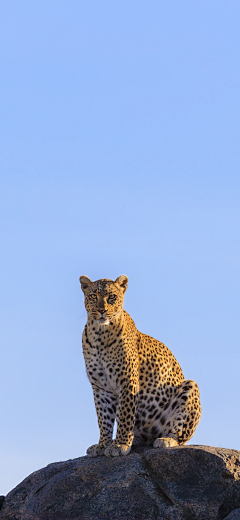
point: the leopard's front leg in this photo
(105, 404)
(124, 438)
(128, 388)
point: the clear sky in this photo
(119, 155)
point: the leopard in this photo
(136, 380)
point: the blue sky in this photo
(119, 154)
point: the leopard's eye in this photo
(93, 296)
(112, 298)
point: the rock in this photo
(179, 483)
(2, 498)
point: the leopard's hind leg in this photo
(181, 417)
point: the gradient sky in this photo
(119, 155)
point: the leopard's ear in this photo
(85, 282)
(122, 281)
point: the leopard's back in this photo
(157, 363)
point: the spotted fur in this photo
(135, 378)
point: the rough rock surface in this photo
(180, 483)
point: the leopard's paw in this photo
(165, 442)
(116, 450)
(96, 450)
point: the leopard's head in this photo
(104, 298)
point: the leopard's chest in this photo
(100, 365)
